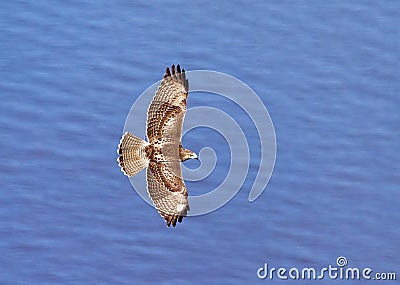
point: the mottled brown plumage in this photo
(163, 152)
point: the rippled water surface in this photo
(69, 72)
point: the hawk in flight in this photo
(163, 153)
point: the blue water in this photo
(328, 72)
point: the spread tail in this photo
(132, 154)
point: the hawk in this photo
(163, 153)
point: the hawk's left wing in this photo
(167, 110)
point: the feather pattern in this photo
(162, 154)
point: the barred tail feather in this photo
(132, 154)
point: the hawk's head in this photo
(186, 154)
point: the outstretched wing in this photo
(164, 131)
(167, 110)
(168, 193)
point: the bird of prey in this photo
(163, 153)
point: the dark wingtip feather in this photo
(167, 72)
(168, 220)
(173, 219)
(178, 75)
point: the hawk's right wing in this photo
(168, 193)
